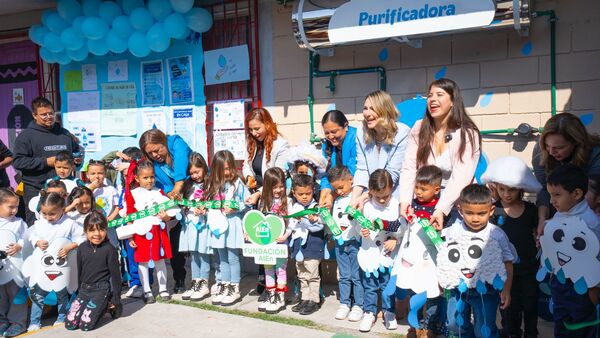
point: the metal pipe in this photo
(509, 131)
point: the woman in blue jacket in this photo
(170, 156)
(339, 148)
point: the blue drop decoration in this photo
(527, 48)
(441, 73)
(416, 303)
(412, 110)
(382, 268)
(199, 226)
(390, 288)
(149, 236)
(498, 283)
(383, 55)
(367, 274)
(326, 252)
(481, 288)
(151, 264)
(551, 306)
(486, 99)
(545, 288)
(178, 216)
(460, 306)
(376, 273)
(587, 119)
(162, 225)
(339, 240)
(299, 256)
(162, 252)
(462, 286)
(216, 232)
(21, 296)
(154, 126)
(460, 321)
(222, 61)
(560, 275)
(51, 299)
(485, 331)
(481, 167)
(547, 264)
(304, 241)
(541, 274)
(581, 286)
(124, 253)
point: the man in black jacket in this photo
(35, 149)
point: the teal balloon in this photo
(137, 45)
(94, 28)
(91, 7)
(63, 58)
(158, 40)
(71, 39)
(108, 11)
(37, 34)
(47, 55)
(176, 26)
(141, 19)
(78, 24)
(53, 43)
(79, 54)
(45, 16)
(130, 5)
(56, 23)
(68, 9)
(159, 9)
(97, 47)
(199, 20)
(182, 6)
(115, 43)
(122, 26)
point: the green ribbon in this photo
(578, 326)
(433, 235)
(362, 220)
(325, 215)
(210, 204)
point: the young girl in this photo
(194, 232)
(106, 196)
(511, 178)
(99, 277)
(593, 194)
(227, 235)
(150, 249)
(56, 186)
(81, 202)
(52, 225)
(274, 200)
(13, 317)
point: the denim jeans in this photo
(230, 265)
(484, 309)
(349, 273)
(37, 296)
(371, 286)
(200, 265)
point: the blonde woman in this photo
(380, 144)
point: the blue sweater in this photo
(180, 153)
(348, 155)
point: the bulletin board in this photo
(109, 101)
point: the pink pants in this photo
(276, 272)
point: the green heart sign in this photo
(261, 229)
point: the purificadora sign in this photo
(360, 20)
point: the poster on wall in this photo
(232, 140)
(154, 118)
(119, 122)
(183, 123)
(181, 89)
(227, 65)
(89, 77)
(117, 71)
(83, 101)
(229, 114)
(18, 96)
(118, 95)
(85, 125)
(152, 83)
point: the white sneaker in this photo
(367, 322)
(221, 292)
(135, 292)
(389, 320)
(342, 312)
(356, 314)
(33, 327)
(214, 289)
(232, 294)
(200, 291)
(276, 302)
(188, 293)
(264, 299)
(57, 323)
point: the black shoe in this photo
(149, 298)
(116, 312)
(179, 287)
(298, 307)
(310, 308)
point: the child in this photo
(194, 232)
(52, 225)
(150, 249)
(64, 165)
(341, 181)
(106, 196)
(308, 237)
(593, 194)
(274, 200)
(567, 186)
(81, 202)
(13, 317)
(380, 205)
(476, 209)
(518, 219)
(99, 277)
(305, 159)
(56, 186)
(227, 235)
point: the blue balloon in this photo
(176, 26)
(63, 58)
(53, 43)
(37, 34)
(158, 41)
(137, 45)
(122, 27)
(199, 20)
(159, 9)
(94, 29)
(78, 24)
(130, 5)
(47, 55)
(182, 6)
(97, 47)
(91, 7)
(56, 23)
(71, 39)
(45, 16)
(141, 19)
(78, 55)
(115, 43)
(68, 9)
(109, 11)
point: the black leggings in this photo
(89, 306)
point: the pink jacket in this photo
(462, 171)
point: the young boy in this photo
(567, 186)
(341, 181)
(309, 239)
(475, 205)
(428, 182)
(64, 165)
